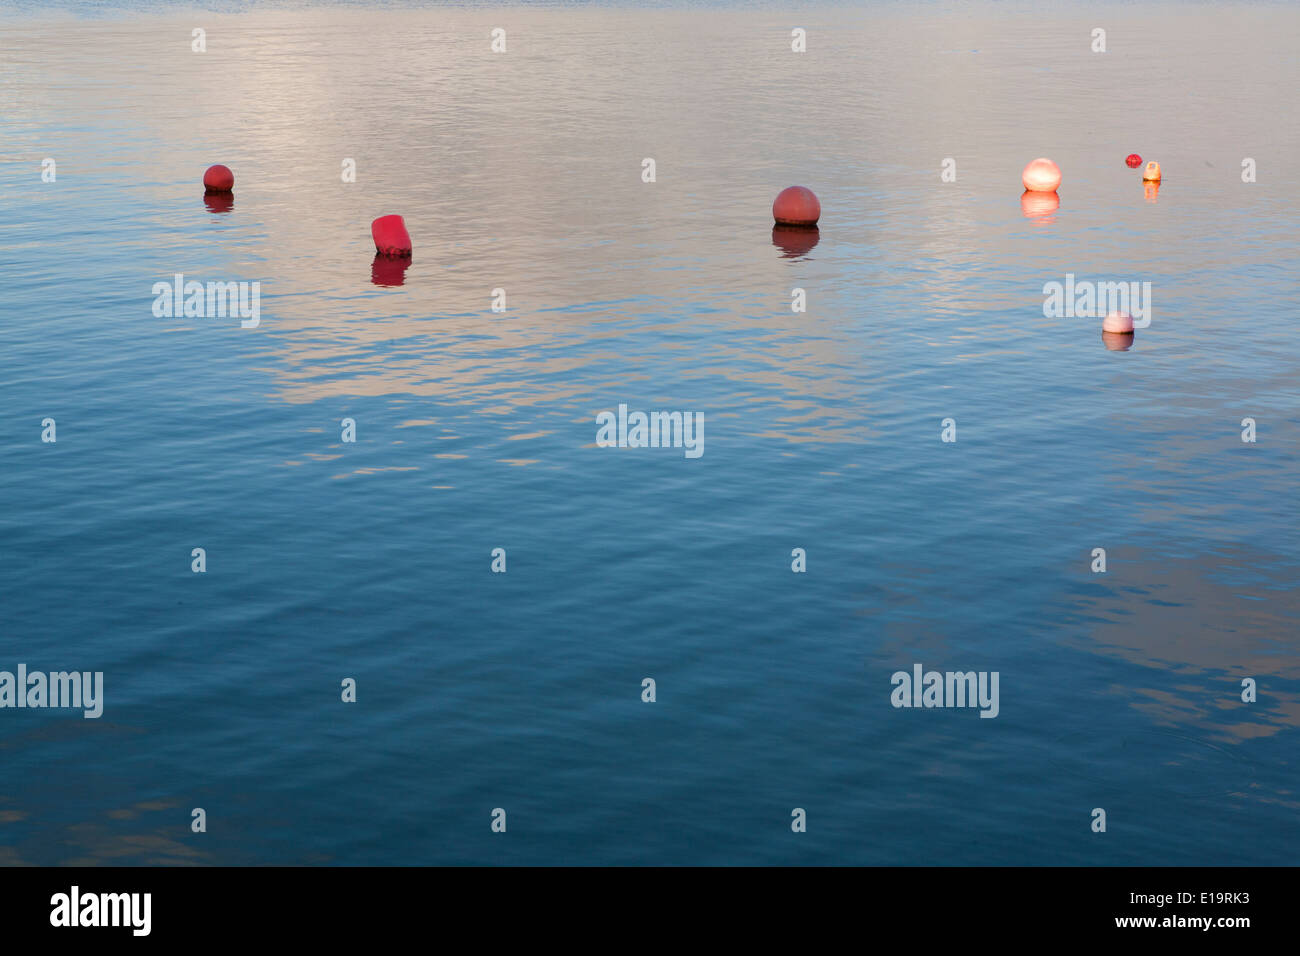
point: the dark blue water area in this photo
(522, 690)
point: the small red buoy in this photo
(1133, 160)
(390, 235)
(218, 179)
(796, 206)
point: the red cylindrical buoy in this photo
(1133, 160)
(218, 179)
(796, 206)
(390, 235)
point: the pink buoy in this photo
(390, 235)
(1041, 176)
(796, 206)
(1120, 322)
(218, 179)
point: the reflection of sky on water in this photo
(1210, 620)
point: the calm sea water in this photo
(476, 430)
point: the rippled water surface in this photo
(476, 430)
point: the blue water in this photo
(476, 430)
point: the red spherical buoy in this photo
(1133, 160)
(218, 179)
(390, 235)
(796, 206)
